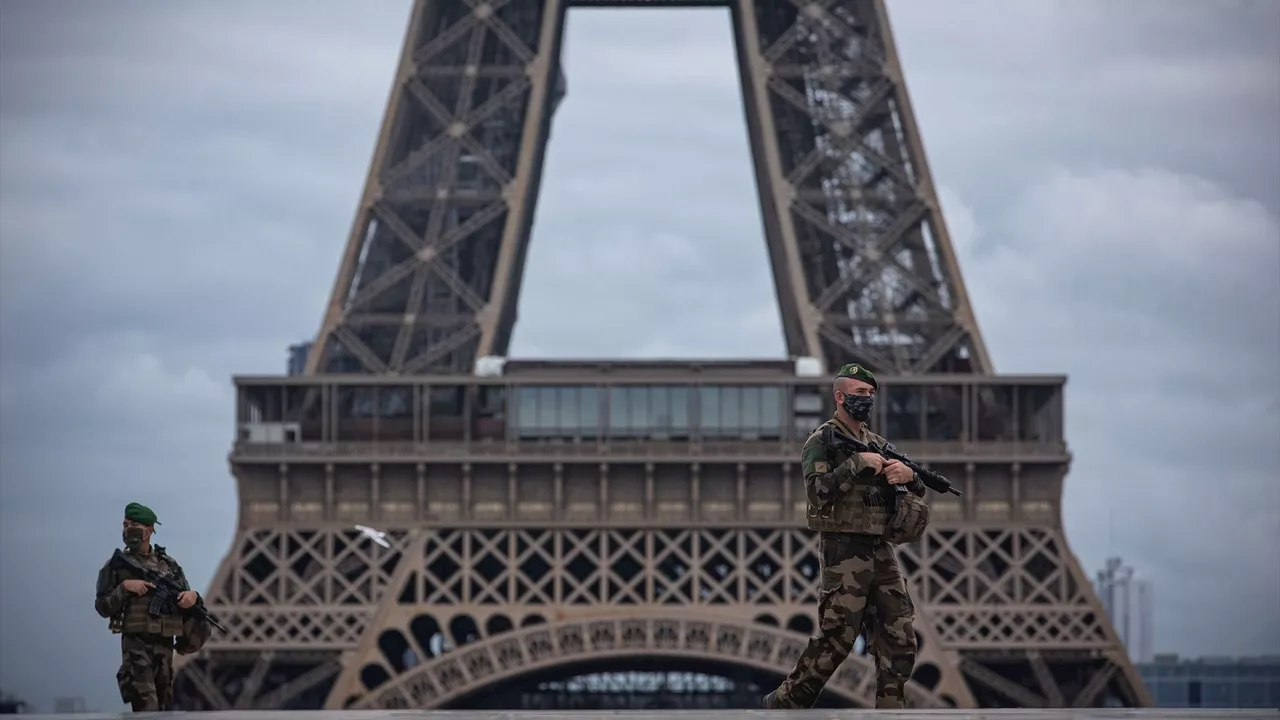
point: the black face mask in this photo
(132, 537)
(859, 406)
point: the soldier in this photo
(847, 505)
(146, 640)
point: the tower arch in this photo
(490, 661)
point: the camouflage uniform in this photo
(145, 677)
(859, 569)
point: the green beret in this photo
(140, 514)
(857, 372)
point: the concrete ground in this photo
(1152, 713)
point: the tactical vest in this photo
(136, 617)
(863, 510)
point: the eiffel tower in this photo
(630, 534)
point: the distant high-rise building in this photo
(298, 358)
(68, 705)
(1213, 682)
(1127, 601)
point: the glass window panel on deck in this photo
(527, 412)
(566, 423)
(1038, 419)
(489, 412)
(355, 409)
(902, 412)
(619, 412)
(548, 411)
(248, 408)
(804, 427)
(810, 401)
(589, 412)
(638, 416)
(304, 406)
(730, 411)
(709, 411)
(750, 412)
(994, 410)
(944, 412)
(261, 404)
(444, 412)
(679, 412)
(808, 411)
(395, 413)
(659, 412)
(395, 401)
(771, 419)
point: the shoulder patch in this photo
(822, 467)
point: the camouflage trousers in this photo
(146, 672)
(857, 571)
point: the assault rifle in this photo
(166, 590)
(932, 480)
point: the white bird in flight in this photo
(375, 535)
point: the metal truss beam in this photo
(1008, 608)
(863, 265)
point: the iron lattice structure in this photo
(862, 263)
(558, 530)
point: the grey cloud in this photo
(179, 180)
(226, 57)
(1178, 85)
(1160, 295)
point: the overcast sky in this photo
(177, 181)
